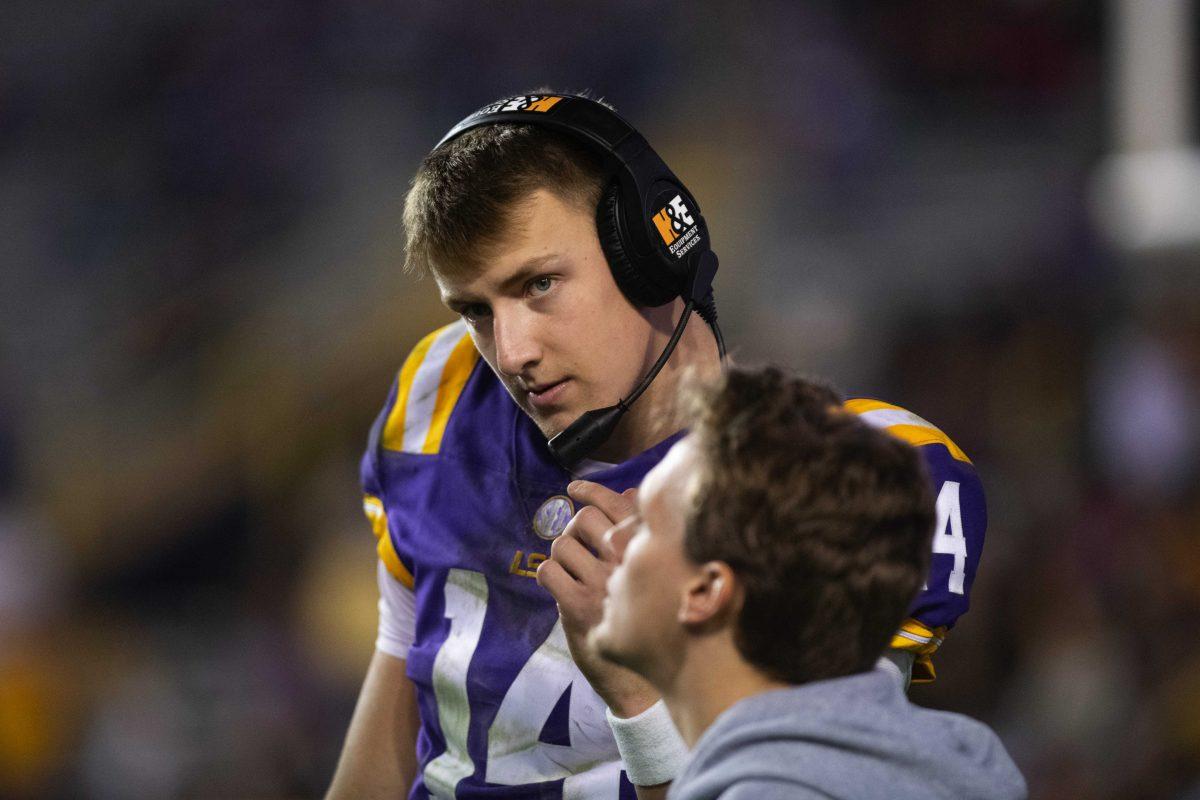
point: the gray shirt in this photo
(852, 737)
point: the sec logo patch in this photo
(552, 517)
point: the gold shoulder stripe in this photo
(430, 383)
(373, 508)
(393, 430)
(903, 424)
(454, 377)
(917, 436)
(860, 405)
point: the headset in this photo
(650, 228)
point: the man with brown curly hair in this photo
(773, 552)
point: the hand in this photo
(576, 575)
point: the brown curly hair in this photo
(826, 521)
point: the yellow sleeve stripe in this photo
(904, 425)
(917, 436)
(454, 377)
(922, 642)
(916, 638)
(430, 383)
(862, 405)
(393, 429)
(373, 508)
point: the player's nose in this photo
(517, 347)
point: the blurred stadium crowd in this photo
(201, 310)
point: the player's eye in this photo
(474, 312)
(539, 286)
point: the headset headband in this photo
(655, 221)
(570, 113)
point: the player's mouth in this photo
(547, 395)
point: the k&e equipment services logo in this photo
(522, 102)
(676, 226)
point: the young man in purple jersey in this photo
(472, 690)
(769, 559)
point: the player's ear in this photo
(710, 597)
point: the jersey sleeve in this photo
(958, 535)
(372, 501)
(413, 421)
(373, 509)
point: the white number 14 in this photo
(590, 766)
(948, 535)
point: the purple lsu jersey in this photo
(465, 501)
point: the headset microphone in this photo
(584, 435)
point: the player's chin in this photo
(552, 424)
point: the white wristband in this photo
(651, 748)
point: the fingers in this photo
(575, 579)
(552, 577)
(615, 506)
(579, 562)
(577, 571)
(588, 526)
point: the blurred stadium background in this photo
(987, 212)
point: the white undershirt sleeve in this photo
(397, 615)
(899, 663)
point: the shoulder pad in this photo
(429, 385)
(904, 425)
(958, 539)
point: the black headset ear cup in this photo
(631, 279)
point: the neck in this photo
(654, 416)
(712, 678)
